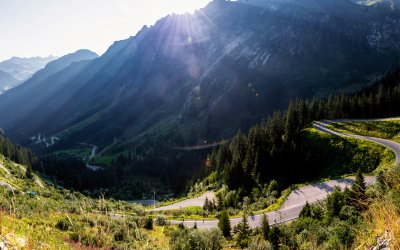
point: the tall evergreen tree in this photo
(265, 227)
(334, 204)
(359, 188)
(243, 231)
(380, 181)
(28, 172)
(224, 224)
(306, 211)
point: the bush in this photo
(197, 239)
(161, 221)
(341, 236)
(258, 243)
(121, 235)
(63, 224)
(148, 224)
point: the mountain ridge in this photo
(23, 68)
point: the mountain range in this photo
(193, 80)
(23, 68)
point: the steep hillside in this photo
(37, 213)
(23, 68)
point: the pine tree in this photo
(220, 201)
(224, 224)
(206, 204)
(274, 237)
(358, 189)
(243, 233)
(334, 204)
(265, 227)
(380, 181)
(306, 211)
(28, 172)
(290, 123)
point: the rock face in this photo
(382, 242)
(193, 79)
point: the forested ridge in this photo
(17, 153)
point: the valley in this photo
(248, 124)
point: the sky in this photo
(57, 27)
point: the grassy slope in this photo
(340, 156)
(30, 221)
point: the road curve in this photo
(309, 193)
(291, 208)
(394, 146)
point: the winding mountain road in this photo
(291, 208)
(92, 154)
(298, 198)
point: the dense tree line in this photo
(17, 153)
(274, 149)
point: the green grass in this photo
(31, 221)
(344, 155)
(78, 151)
(105, 159)
(381, 129)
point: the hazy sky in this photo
(43, 27)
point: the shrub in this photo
(259, 243)
(121, 235)
(148, 224)
(161, 221)
(197, 239)
(63, 224)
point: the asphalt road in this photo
(198, 201)
(290, 209)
